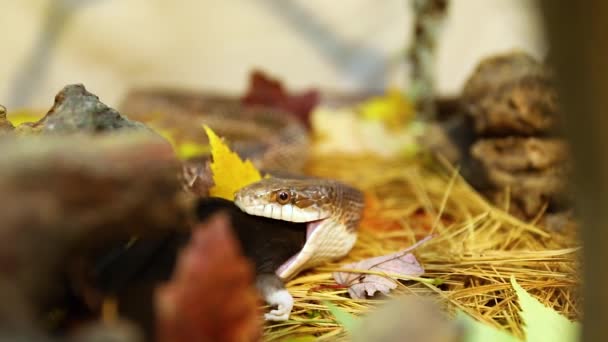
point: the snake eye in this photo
(283, 197)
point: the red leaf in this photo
(211, 296)
(266, 91)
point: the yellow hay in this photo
(476, 248)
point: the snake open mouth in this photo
(326, 238)
(330, 210)
(293, 264)
(316, 238)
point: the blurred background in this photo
(111, 45)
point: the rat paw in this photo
(284, 303)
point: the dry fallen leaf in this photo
(230, 173)
(361, 284)
(393, 108)
(266, 91)
(205, 300)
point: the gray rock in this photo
(77, 110)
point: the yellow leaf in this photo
(186, 149)
(189, 149)
(24, 115)
(230, 173)
(393, 108)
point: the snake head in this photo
(331, 209)
(293, 200)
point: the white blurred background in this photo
(347, 45)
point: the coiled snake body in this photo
(277, 143)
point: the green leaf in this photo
(543, 323)
(476, 331)
(345, 319)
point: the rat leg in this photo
(273, 290)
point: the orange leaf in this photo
(211, 295)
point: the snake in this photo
(277, 143)
(330, 209)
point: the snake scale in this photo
(277, 143)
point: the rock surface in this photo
(511, 94)
(519, 154)
(513, 108)
(534, 170)
(77, 111)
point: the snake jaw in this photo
(311, 226)
(288, 268)
(286, 212)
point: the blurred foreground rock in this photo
(59, 197)
(120, 331)
(409, 318)
(81, 177)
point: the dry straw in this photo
(476, 249)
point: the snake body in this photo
(275, 142)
